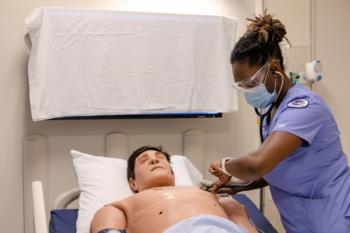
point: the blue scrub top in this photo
(311, 187)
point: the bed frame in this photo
(36, 173)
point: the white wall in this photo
(233, 134)
(332, 33)
(12, 118)
(295, 15)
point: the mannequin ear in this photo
(133, 185)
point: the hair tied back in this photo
(272, 30)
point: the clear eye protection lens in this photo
(256, 80)
(244, 86)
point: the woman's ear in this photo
(275, 67)
(133, 185)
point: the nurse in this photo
(301, 156)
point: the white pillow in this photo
(102, 180)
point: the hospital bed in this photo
(63, 219)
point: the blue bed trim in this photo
(259, 220)
(63, 221)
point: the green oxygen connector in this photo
(294, 76)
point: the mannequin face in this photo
(152, 170)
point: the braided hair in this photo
(261, 41)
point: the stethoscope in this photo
(267, 114)
(262, 117)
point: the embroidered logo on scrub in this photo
(281, 125)
(298, 103)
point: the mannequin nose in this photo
(154, 160)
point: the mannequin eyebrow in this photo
(145, 156)
(160, 155)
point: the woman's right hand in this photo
(215, 169)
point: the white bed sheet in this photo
(90, 63)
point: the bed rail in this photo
(63, 200)
(40, 223)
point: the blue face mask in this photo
(260, 97)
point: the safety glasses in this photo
(257, 79)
